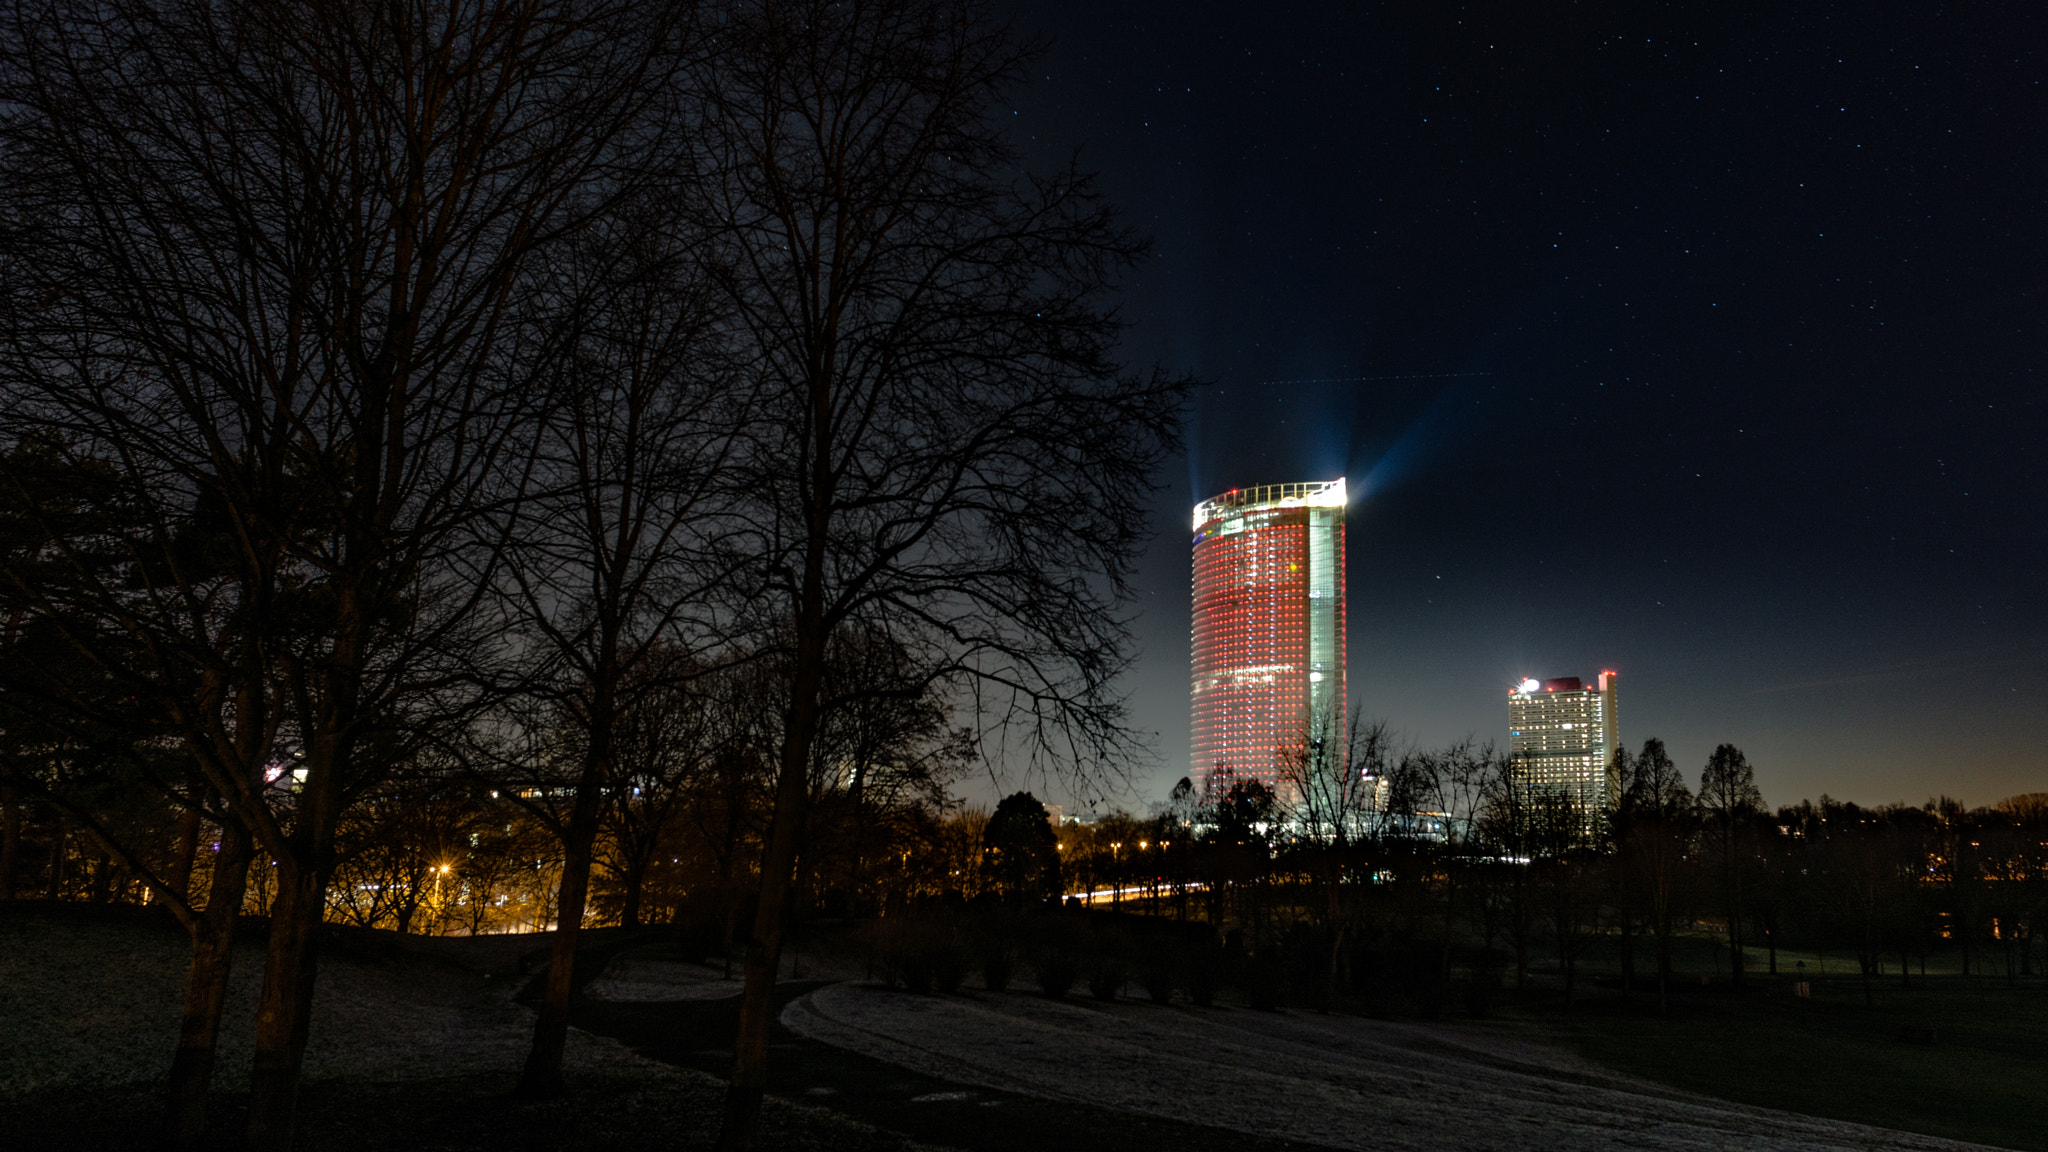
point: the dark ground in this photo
(698, 1034)
(1960, 1057)
(1965, 1058)
(829, 1099)
(607, 1111)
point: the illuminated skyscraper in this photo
(1269, 626)
(1562, 735)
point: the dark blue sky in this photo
(1715, 337)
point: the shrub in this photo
(1056, 974)
(949, 965)
(1156, 967)
(1109, 968)
(1265, 978)
(1205, 971)
(993, 939)
(1481, 989)
(1159, 986)
(1107, 978)
(916, 971)
(914, 955)
(1056, 954)
(995, 970)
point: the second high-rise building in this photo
(1268, 637)
(1562, 734)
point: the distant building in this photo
(1268, 640)
(1562, 735)
(1056, 813)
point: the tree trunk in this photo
(206, 985)
(1735, 958)
(57, 858)
(1628, 954)
(1734, 950)
(778, 871)
(284, 1013)
(542, 1077)
(10, 841)
(1663, 930)
(1336, 957)
(180, 878)
(636, 881)
(102, 877)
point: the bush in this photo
(949, 966)
(1107, 979)
(1389, 980)
(1056, 954)
(1159, 986)
(1205, 971)
(993, 939)
(1056, 974)
(995, 970)
(915, 955)
(1482, 989)
(1156, 967)
(914, 969)
(1265, 979)
(1110, 967)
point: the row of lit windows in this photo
(1250, 623)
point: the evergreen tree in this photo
(1020, 853)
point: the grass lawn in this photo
(1983, 1078)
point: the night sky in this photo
(1705, 344)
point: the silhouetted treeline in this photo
(1456, 855)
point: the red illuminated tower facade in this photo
(1268, 643)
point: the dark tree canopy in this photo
(1021, 851)
(1245, 813)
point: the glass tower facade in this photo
(1268, 642)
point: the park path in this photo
(1334, 1081)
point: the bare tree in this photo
(1564, 857)
(1656, 819)
(127, 628)
(946, 454)
(883, 755)
(269, 258)
(1336, 785)
(617, 522)
(1511, 826)
(662, 748)
(1730, 806)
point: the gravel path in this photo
(633, 978)
(1340, 1082)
